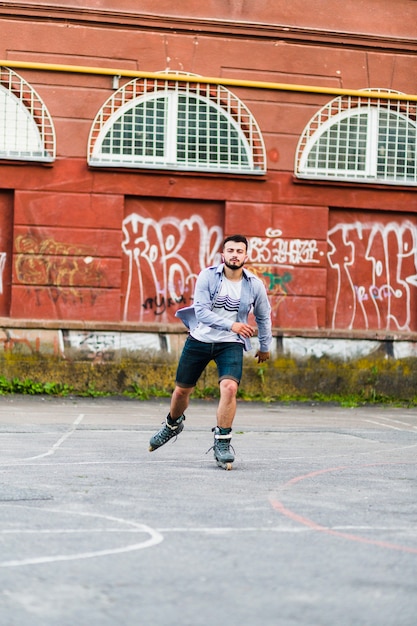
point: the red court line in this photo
(305, 521)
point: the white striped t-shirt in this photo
(227, 305)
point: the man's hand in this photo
(244, 330)
(262, 356)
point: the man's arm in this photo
(262, 313)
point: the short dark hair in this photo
(236, 238)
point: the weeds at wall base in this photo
(373, 381)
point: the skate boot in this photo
(171, 428)
(222, 448)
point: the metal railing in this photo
(360, 138)
(26, 128)
(179, 125)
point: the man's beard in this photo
(234, 266)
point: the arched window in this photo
(26, 129)
(169, 124)
(362, 140)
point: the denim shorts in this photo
(196, 355)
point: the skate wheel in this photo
(225, 466)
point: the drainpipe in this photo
(226, 82)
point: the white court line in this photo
(63, 531)
(279, 529)
(240, 460)
(60, 441)
(399, 422)
(184, 529)
(385, 425)
(78, 420)
(390, 419)
(155, 539)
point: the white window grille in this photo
(169, 124)
(360, 139)
(26, 128)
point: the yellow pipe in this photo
(228, 82)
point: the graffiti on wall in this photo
(31, 341)
(372, 275)
(165, 248)
(371, 266)
(164, 258)
(275, 249)
(100, 346)
(45, 262)
(274, 258)
(275, 281)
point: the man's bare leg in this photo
(226, 410)
(180, 400)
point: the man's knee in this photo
(183, 392)
(228, 387)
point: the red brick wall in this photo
(125, 246)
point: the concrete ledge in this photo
(179, 329)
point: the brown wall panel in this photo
(301, 221)
(279, 118)
(70, 209)
(166, 244)
(298, 312)
(67, 270)
(66, 176)
(247, 218)
(280, 152)
(68, 303)
(372, 278)
(284, 280)
(72, 137)
(186, 186)
(82, 242)
(349, 196)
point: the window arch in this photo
(169, 124)
(27, 132)
(362, 140)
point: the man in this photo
(219, 330)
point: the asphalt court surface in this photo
(316, 525)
